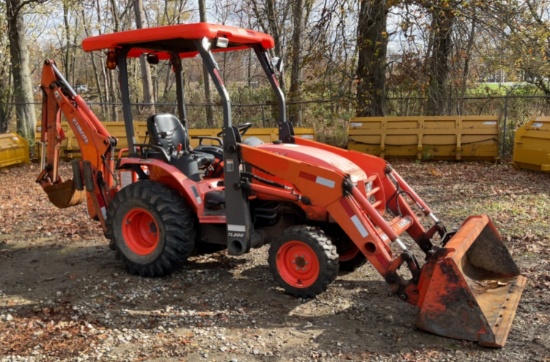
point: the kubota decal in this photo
(80, 131)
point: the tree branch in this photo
(25, 3)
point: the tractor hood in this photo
(318, 157)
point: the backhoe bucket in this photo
(64, 194)
(470, 289)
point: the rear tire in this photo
(151, 228)
(303, 261)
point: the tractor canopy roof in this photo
(179, 39)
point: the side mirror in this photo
(277, 63)
(152, 58)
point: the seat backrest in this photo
(167, 131)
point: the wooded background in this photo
(343, 58)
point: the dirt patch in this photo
(63, 295)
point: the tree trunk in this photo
(372, 43)
(68, 54)
(111, 88)
(206, 76)
(295, 91)
(146, 81)
(466, 69)
(5, 96)
(271, 21)
(438, 70)
(98, 70)
(23, 94)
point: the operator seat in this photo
(166, 131)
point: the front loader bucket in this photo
(64, 194)
(470, 289)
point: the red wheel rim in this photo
(297, 264)
(349, 254)
(140, 231)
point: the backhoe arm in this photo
(96, 146)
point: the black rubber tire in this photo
(350, 264)
(319, 248)
(174, 228)
(349, 257)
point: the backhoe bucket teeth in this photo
(470, 289)
(64, 194)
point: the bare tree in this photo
(272, 17)
(22, 85)
(299, 16)
(5, 76)
(372, 43)
(146, 80)
(440, 48)
(206, 77)
(523, 39)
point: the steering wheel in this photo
(243, 127)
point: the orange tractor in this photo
(321, 208)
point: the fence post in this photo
(505, 125)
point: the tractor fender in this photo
(316, 157)
(170, 176)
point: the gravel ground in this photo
(63, 295)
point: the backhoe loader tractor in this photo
(321, 208)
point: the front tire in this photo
(151, 228)
(350, 257)
(303, 261)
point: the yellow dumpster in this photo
(532, 145)
(441, 138)
(14, 149)
(267, 135)
(69, 146)
(70, 149)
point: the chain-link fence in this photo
(330, 117)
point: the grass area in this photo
(503, 89)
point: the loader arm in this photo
(94, 171)
(336, 192)
(468, 288)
